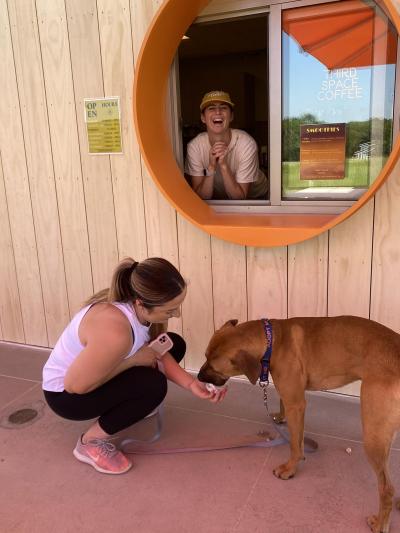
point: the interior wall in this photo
(224, 73)
(67, 217)
(230, 73)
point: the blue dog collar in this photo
(265, 361)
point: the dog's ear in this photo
(229, 324)
(250, 367)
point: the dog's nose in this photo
(201, 376)
(207, 375)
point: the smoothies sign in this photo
(322, 151)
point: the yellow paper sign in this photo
(103, 123)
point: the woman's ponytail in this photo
(154, 281)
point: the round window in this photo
(318, 149)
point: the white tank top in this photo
(68, 346)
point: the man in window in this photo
(222, 163)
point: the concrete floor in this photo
(44, 489)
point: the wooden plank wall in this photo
(67, 217)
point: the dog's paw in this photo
(372, 521)
(284, 471)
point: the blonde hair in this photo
(154, 281)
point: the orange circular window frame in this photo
(150, 115)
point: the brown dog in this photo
(319, 354)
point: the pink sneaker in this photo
(102, 455)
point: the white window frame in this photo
(231, 9)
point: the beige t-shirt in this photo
(242, 159)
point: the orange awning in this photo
(343, 34)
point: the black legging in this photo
(122, 401)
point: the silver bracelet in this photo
(209, 174)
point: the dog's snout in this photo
(209, 375)
(201, 376)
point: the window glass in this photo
(338, 76)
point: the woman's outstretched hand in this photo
(199, 389)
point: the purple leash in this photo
(309, 445)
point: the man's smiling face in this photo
(217, 117)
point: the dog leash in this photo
(309, 445)
(140, 447)
(263, 380)
(154, 438)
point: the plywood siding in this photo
(308, 277)
(65, 149)
(11, 322)
(385, 288)
(18, 192)
(32, 96)
(349, 265)
(126, 175)
(267, 286)
(67, 217)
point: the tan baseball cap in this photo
(216, 96)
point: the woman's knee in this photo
(179, 348)
(153, 383)
(140, 382)
(159, 386)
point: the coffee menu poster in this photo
(322, 151)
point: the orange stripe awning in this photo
(343, 34)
